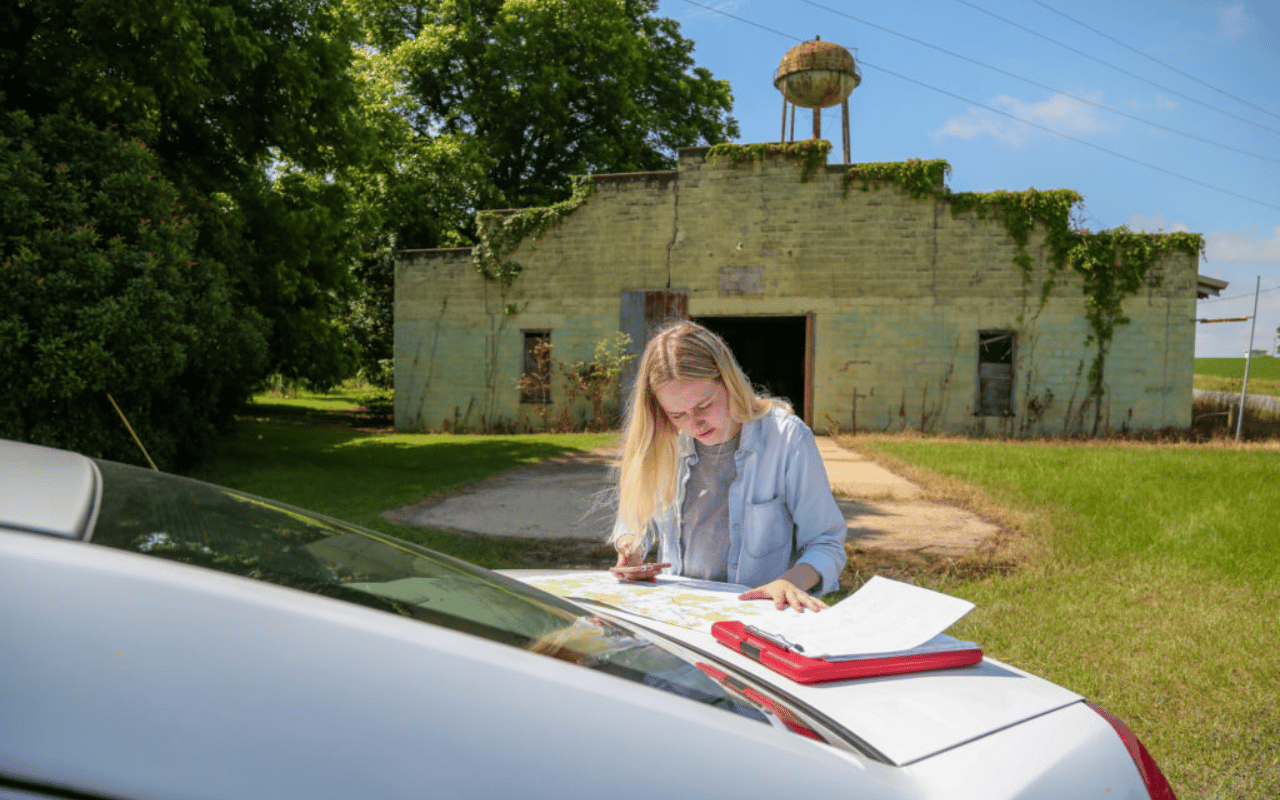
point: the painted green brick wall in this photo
(898, 289)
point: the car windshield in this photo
(222, 529)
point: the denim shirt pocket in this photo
(766, 528)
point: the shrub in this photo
(100, 294)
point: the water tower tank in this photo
(817, 74)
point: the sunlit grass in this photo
(305, 455)
(1148, 575)
(1156, 592)
(1266, 368)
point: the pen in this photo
(773, 639)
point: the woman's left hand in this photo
(784, 593)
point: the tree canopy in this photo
(199, 193)
(548, 89)
(500, 103)
(196, 101)
(103, 298)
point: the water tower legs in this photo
(844, 115)
(817, 124)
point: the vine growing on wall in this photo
(500, 233)
(811, 153)
(918, 178)
(1113, 264)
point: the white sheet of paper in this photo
(884, 616)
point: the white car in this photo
(167, 638)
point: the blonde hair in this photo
(650, 460)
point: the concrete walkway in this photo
(567, 497)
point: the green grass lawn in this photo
(1156, 596)
(1227, 375)
(308, 451)
(1262, 367)
(1155, 593)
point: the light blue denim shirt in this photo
(781, 510)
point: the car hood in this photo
(904, 717)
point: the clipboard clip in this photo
(773, 638)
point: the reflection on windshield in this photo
(196, 523)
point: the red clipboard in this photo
(803, 669)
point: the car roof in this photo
(50, 491)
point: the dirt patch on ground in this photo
(559, 511)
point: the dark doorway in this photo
(771, 350)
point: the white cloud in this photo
(1231, 339)
(1241, 258)
(1059, 113)
(978, 122)
(1241, 247)
(1233, 23)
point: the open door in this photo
(776, 353)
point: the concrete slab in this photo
(851, 475)
(569, 497)
(562, 497)
(916, 526)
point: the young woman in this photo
(729, 483)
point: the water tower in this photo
(817, 75)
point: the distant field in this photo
(1262, 367)
(1227, 375)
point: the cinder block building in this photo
(869, 304)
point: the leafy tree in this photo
(551, 88)
(213, 88)
(410, 191)
(220, 92)
(103, 297)
(498, 103)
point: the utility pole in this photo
(1248, 357)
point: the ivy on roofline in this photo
(1113, 264)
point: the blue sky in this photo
(1163, 114)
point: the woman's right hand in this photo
(631, 566)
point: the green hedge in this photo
(100, 294)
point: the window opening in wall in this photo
(995, 373)
(535, 372)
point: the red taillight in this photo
(1157, 787)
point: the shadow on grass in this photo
(358, 418)
(340, 463)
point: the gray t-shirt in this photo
(704, 517)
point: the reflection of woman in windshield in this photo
(601, 645)
(582, 641)
(728, 482)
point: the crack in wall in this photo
(675, 224)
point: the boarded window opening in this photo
(995, 373)
(535, 370)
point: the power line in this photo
(993, 110)
(1238, 296)
(746, 21)
(1075, 139)
(1121, 70)
(1155, 60)
(1037, 84)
